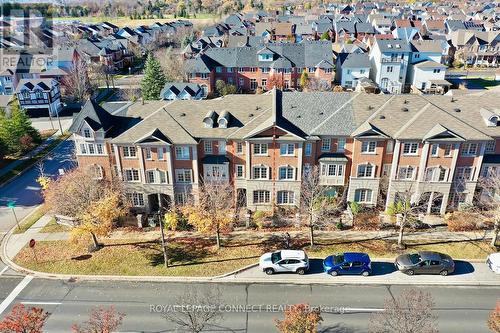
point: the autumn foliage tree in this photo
(275, 81)
(94, 203)
(101, 320)
(299, 318)
(214, 211)
(24, 320)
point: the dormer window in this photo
(223, 120)
(86, 133)
(494, 121)
(265, 57)
(222, 123)
(208, 121)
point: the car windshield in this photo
(414, 258)
(275, 257)
(338, 259)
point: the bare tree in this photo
(406, 205)
(171, 63)
(315, 84)
(77, 82)
(410, 312)
(489, 198)
(198, 309)
(312, 199)
(215, 209)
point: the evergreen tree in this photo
(154, 79)
(325, 36)
(16, 131)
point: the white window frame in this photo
(364, 174)
(184, 176)
(262, 169)
(208, 147)
(326, 144)
(262, 196)
(461, 172)
(258, 149)
(239, 168)
(129, 152)
(490, 146)
(368, 147)
(147, 154)
(285, 197)
(287, 149)
(180, 153)
(466, 149)
(403, 170)
(239, 148)
(341, 144)
(135, 175)
(332, 170)
(308, 149)
(448, 150)
(85, 131)
(435, 150)
(96, 171)
(161, 153)
(412, 148)
(222, 147)
(364, 195)
(136, 199)
(289, 172)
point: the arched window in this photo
(286, 172)
(366, 170)
(494, 121)
(260, 171)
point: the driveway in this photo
(384, 272)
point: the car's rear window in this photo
(414, 258)
(275, 257)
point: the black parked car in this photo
(425, 262)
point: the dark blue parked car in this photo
(351, 263)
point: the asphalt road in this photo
(25, 191)
(458, 309)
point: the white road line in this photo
(17, 290)
(41, 303)
(4, 270)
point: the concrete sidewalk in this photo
(16, 242)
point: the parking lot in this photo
(383, 272)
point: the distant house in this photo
(181, 90)
(351, 67)
(39, 96)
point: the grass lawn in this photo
(32, 219)
(189, 257)
(31, 161)
(53, 227)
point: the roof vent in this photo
(406, 101)
(404, 109)
(370, 107)
(299, 116)
(453, 100)
(321, 113)
(457, 110)
(182, 114)
(250, 115)
(381, 117)
(257, 108)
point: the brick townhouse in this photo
(249, 68)
(372, 146)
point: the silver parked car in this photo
(425, 262)
(295, 261)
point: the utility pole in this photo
(162, 230)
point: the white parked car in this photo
(493, 262)
(295, 261)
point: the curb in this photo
(29, 167)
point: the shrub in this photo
(259, 217)
(466, 221)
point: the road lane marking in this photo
(14, 293)
(41, 303)
(4, 270)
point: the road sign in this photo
(11, 204)
(32, 243)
